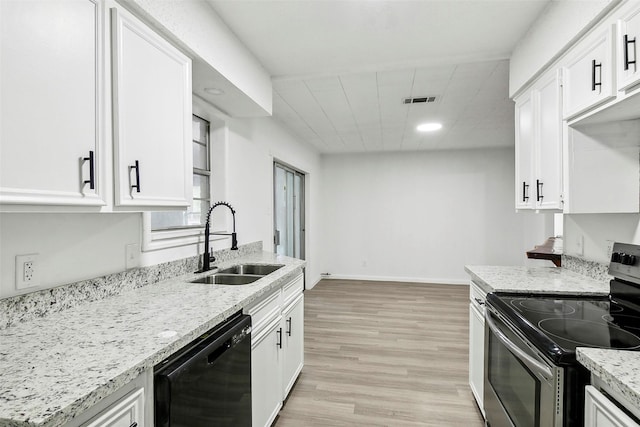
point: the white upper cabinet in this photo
(65, 143)
(548, 167)
(589, 77)
(628, 45)
(152, 117)
(525, 137)
(539, 145)
(51, 150)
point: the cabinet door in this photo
(128, 412)
(627, 42)
(601, 412)
(50, 103)
(476, 354)
(588, 76)
(525, 138)
(152, 117)
(293, 327)
(548, 169)
(266, 374)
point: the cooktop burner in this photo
(558, 324)
(542, 306)
(587, 333)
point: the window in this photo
(179, 229)
(195, 215)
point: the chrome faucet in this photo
(206, 257)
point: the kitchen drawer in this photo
(126, 413)
(476, 294)
(263, 311)
(291, 290)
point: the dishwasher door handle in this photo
(218, 352)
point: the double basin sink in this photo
(241, 274)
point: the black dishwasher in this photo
(208, 382)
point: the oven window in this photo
(516, 387)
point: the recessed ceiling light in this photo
(214, 91)
(429, 127)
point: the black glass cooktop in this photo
(556, 325)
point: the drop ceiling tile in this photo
(282, 86)
(396, 78)
(323, 83)
(334, 103)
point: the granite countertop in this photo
(556, 280)
(56, 367)
(618, 369)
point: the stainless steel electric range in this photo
(532, 377)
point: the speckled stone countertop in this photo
(556, 280)
(618, 369)
(56, 367)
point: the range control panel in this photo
(625, 262)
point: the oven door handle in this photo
(534, 364)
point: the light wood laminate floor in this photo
(384, 354)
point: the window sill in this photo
(164, 239)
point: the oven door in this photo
(521, 388)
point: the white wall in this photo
(71, 247)
(561, 23)
(422, 216)
(595, 230)
(253, 146)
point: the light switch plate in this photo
(132, 255)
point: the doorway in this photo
(288, 205)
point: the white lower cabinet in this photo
(476, 344)
(266, 374)
(292, 344)
(277, 349)
(128, 412)
(129, 406)
(599, 411)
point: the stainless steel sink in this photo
(227, 279)
(257, 269)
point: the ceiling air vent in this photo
(419, 100)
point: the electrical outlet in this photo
(27, 275)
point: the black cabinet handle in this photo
(137, 168)
(92, 179)
(479, 301)
(539, 195)
(279, 342)
(289, 326)
(134, 424)
(627, 42)
(595, 65)
(525, 191)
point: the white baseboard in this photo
(312, 282)
(424, 280)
